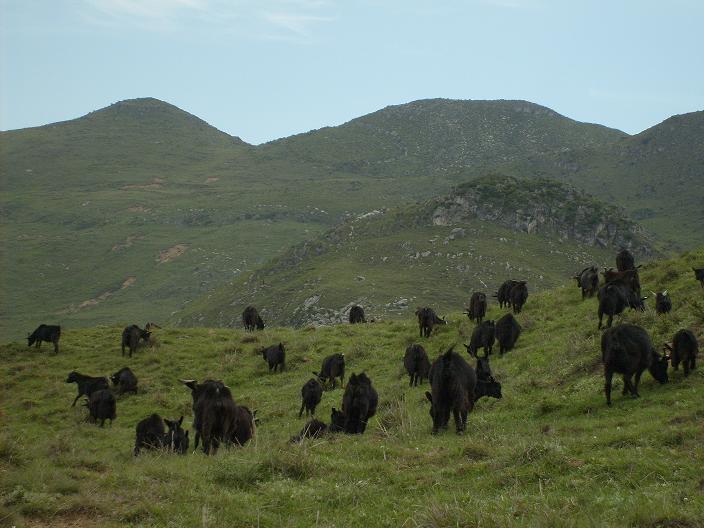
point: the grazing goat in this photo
(131, 336)
(251, 319)
(588, 281)
(483, 337)
(102, 406)
(684, 350)
(626, 349)
(477, 307)
(507, 331)
(427, 319)
(453, 383)
(625, 260)
(417, 364)
(311, 394)
(49, 333)
(357, 315)
(275, 356)
(359, 403)
(333, 367)
(87, 385)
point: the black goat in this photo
(518, 296)
(427, 319)
(477, 307)
(483, 337)
(357, 315)
(699, 275)
(214, 413)
(124, 380)
(453, 384)
(131, 336)
(251, 319)
(588, 281)
(333, 367)
(625, 260)
(87, 385)
(684, 350)
(359, 403)
(663, 303)
(102, 406)
(311, 394)
(417, 364)
(275, 356)
(507, 331)
(626, 349)
(49, 333)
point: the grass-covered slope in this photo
(89, 205)
(656, 175)
(550, 453)
(433, 253)
(438, 136)
(144, 177)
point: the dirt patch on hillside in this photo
(129, 281)
(138, 209)
(155, 184)
(212, 179)
(167, 255)
(127, 243)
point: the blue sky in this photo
(271, 68)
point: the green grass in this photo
(392, 262)
(550, 453)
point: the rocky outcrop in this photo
(539, 206)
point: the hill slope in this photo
(434, 253)
(145, 195)
(656, 176)
(439, 136)
(550, 453)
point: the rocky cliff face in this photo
(542, 206)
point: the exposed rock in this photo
(537, 206)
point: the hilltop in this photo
(433, 253)
(439, 136)
(549, 453)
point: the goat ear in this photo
(665, 292)
(429, 396)
(180, 421)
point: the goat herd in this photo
(455, 385)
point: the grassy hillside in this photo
(144, 177)
(656, 175)
(550, 453)
(437, 136)
(436, 253)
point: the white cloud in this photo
(295, 23)
(268, 19)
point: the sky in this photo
(265, 69)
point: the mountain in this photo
(440, 136)
(433, 253)
(131, 212)
(123, 143)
